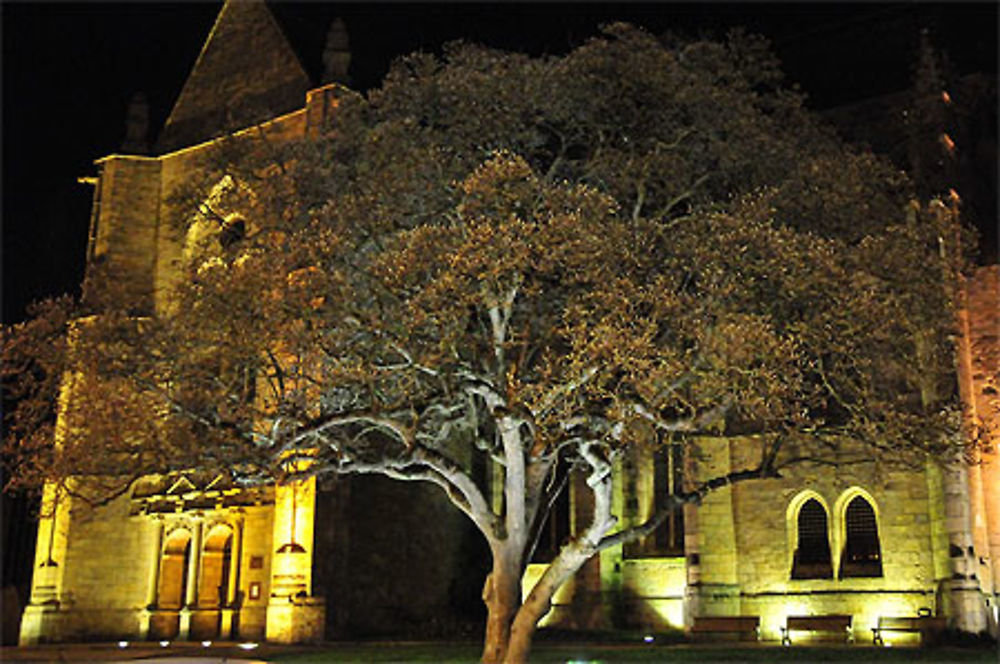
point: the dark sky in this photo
(70, 69)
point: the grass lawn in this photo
(592, 653)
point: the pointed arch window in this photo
(862, 556)
(812, 553)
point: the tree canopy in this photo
(542, 262)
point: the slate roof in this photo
(248, 70)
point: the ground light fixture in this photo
(123, 644)
(248, 645)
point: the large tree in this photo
(539, 262)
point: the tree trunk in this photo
(523, 630)
(539, 600)
(502, 595)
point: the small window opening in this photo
(233, 231)
(862, 555)
(812, 556)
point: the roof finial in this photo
(137, 125)
(337, 54)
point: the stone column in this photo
(991, 498)
(234, 563)
(230, 609)
(194, 569)
(982, 383)
(41, 618)
(963, 598)
(191, 596)
(153, 581)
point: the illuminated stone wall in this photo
(106, 573)
(110, 566)
(766, 543)
(175, 170)
(714, 588)
(740, 547)
(652, 592)
(114, 577)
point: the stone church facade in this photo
(192, 557)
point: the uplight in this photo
(123, 644)
(205, 644)
(648, 638)
(164, 644)
(248, 646)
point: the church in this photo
(192, 557)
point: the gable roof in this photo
(247, 72)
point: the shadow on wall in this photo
(395, 559)
(10, 610)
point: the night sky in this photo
(70, 69)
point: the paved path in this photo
(194, 660)
(197, 660)
(113, 653)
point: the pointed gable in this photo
(246, 73)
(181, 486)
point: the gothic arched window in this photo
(862, 554)
(812, 554)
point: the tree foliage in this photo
(543, 262)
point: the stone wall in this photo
(746, 538)
(126, 222)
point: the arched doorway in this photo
(213, 582)
(172, 584)
(173, 568)
(216, 568)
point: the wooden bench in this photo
(740, 625)
(830, 624)
(926, 626)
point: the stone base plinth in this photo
(40, 624)
(301, 620)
